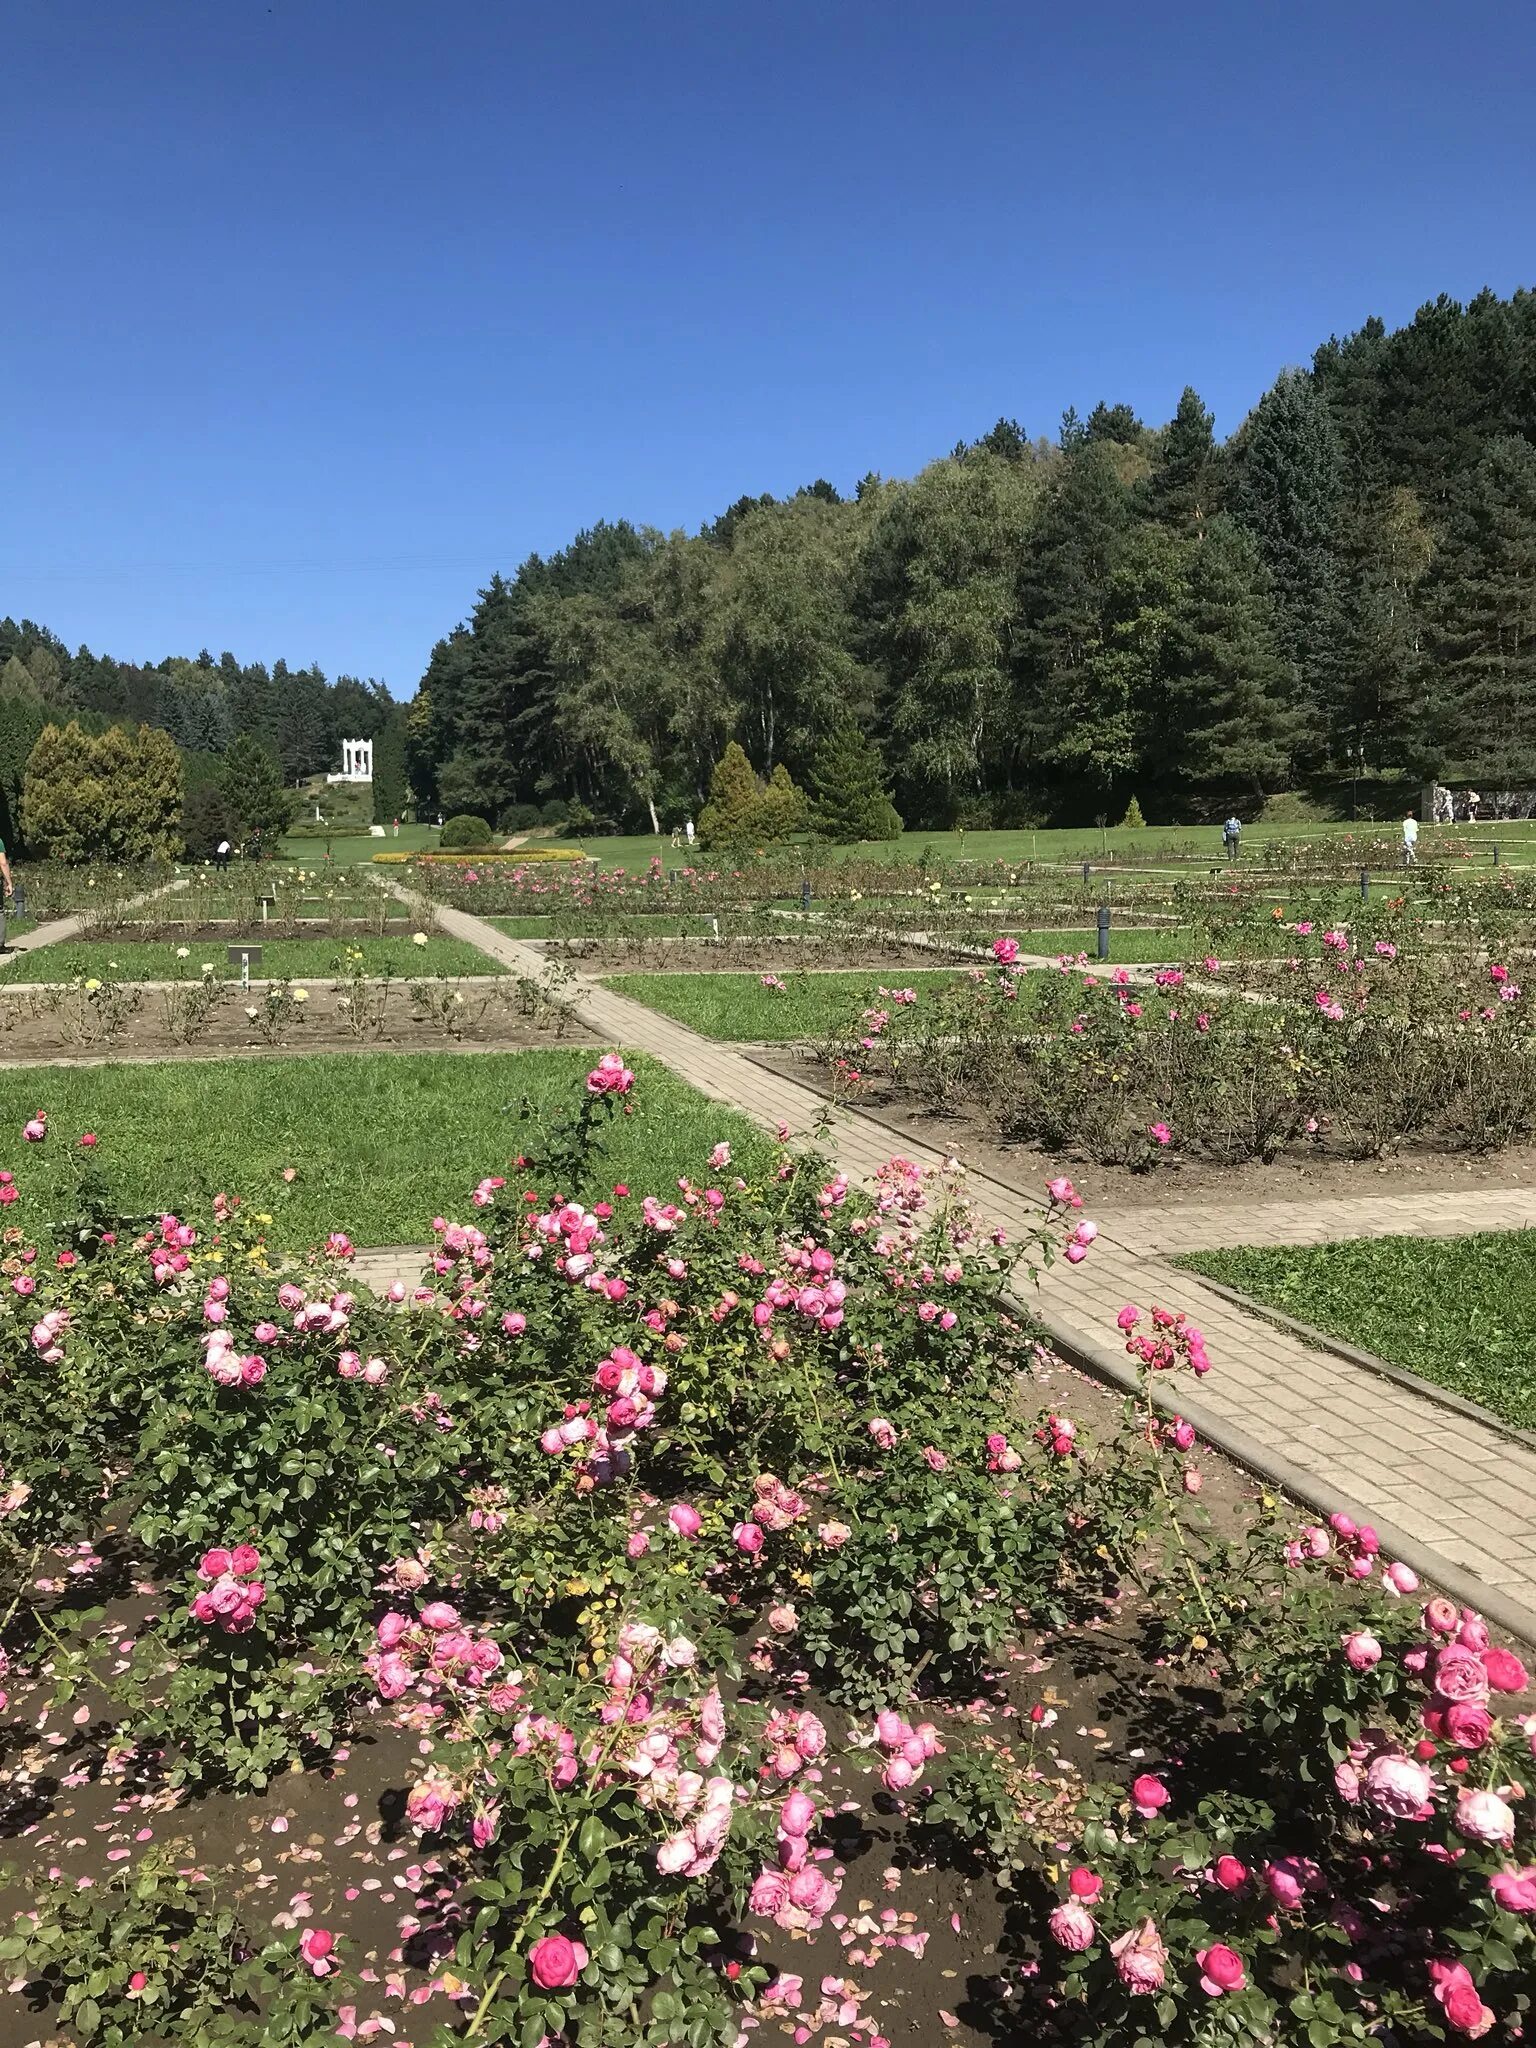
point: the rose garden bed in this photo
(684, 1591)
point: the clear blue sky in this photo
(317, 312)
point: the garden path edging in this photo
(1322, 1340)
(1271, 1465)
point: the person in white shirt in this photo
(222, 856)
(1410, 841)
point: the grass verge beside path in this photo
(141, 960)
(1460, 1311)
(381, 1142)
(738, 1006)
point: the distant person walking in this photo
(1232, 837)
(688, 831)
(222, 852)
(1410, 841)
(10, 891)
(1473, 800)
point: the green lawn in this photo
(1460, 1311)
(382, 1142)
(139, 960)
(1516, 842)
(738, 1006)
(1125, 943)
(346, 847)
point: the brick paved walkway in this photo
(60, 928)
(1453, 1496)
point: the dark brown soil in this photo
(1174, 1181)
(329, 1847)
(34, 1029)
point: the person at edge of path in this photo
(10, 891)
(1410, 841)
(1231, 836)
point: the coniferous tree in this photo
(253, 792)
(1182, 489)
(1481, 602)
(849, 799)
(726, 820)
(1288, 492)
(1228, 717)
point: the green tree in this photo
(849, 800)
(734, 796)
(1183, 488)
(1481, 602)
(254, 795)
(781, 809)
(1288, 492)
(1226, 718)
(113, 796)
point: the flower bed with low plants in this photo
(665, 1545)
(1347, 1044)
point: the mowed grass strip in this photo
(122, 959)
(380, 1142)
(740, 1006)
(1460, 1311)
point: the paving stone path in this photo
(1452, 1495)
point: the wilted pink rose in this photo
(1141, 1961)
(1515, 1890)
(1072, 1926)
(1396, 1785)
(1484, 1817)
(1221, 1969)
(770, 1892)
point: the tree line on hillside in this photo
(1033, 630)
(295, 717)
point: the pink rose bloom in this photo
(1459, 1674)
(1400, 1578)
(1128, 1317)
(1484, 1817)
(770, 1892)
(315, 1946)
(1397, 1786)
(1005, 951)
(1515, 1890)
(554, 1963)
(1141, 1961)
(514, 1324)
(1085, 1884)
(783, 1619)
(391, 1627)
(214, 1565)
(1148, 1795)
(812, 1892)
(686, 1520)
(438, 1614)
(1072, 1926)
(1230, 1873)
(748, 1536)
(393, 1676)
(1289, 1879)
(1505, 1671)
(1362, 1651)
(1221, 1969)
(244, 1559)
(1458, 1997)
(1440, 1615)
(1468, 1726)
